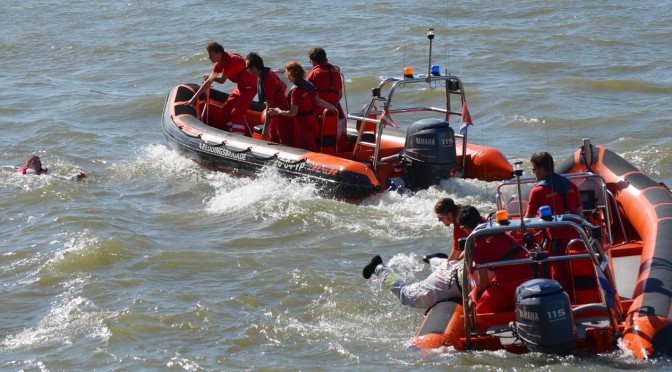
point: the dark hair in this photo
(32, 158)
(318, 55)
(295, 70)
(542, 160)
(445, 206)
(255, 60)
(215, 47)
(469, 216)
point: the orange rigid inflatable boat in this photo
(645, 238)
(619, 264)
(371, 156)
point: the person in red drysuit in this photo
(33, 166)
(232, 67)
(327, 80)
(499, 290)
(446, 211)
(552, 189)
(562, 196)
(271, 90)
(302, 99)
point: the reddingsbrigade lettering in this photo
(222, 152)
(297, 167)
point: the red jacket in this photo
(327, 80)
(273, 88)
(233, 67)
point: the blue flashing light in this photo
(436, 70)
(545, 212)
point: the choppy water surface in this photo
(151, 263)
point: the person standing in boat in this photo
(271, 90)
(443, 283)
(327, 80)
(562, 196)
(497, 286)
(302, 99)
(232, 67)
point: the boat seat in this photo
(327, 138)
(585, 288)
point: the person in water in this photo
(562, 196)
(444, 281)
(34, 166)
(327, 80)
(302, 99)
(232, 67)
(271, 90)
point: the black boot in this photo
(371, 267)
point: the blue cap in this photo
(436, 70)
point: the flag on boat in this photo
(466, 118)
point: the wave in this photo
(70, 320)
(616, 85)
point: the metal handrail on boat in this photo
(594, 253)
(581, 180)
(453, 86)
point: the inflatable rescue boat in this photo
(374, 154)
(619, 264)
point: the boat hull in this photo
(347, 172)
(245, 156)
(643, 234)
(647, 208)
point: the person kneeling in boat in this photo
(562, 196)
(302, 100)
(497, 290)
(232, 67)
(34, 166)
(443, 283)
(271, 90)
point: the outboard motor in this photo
(429, 154)
(544, 321)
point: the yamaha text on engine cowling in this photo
(544, 321)
(429, 154)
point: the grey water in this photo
(151, 263)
